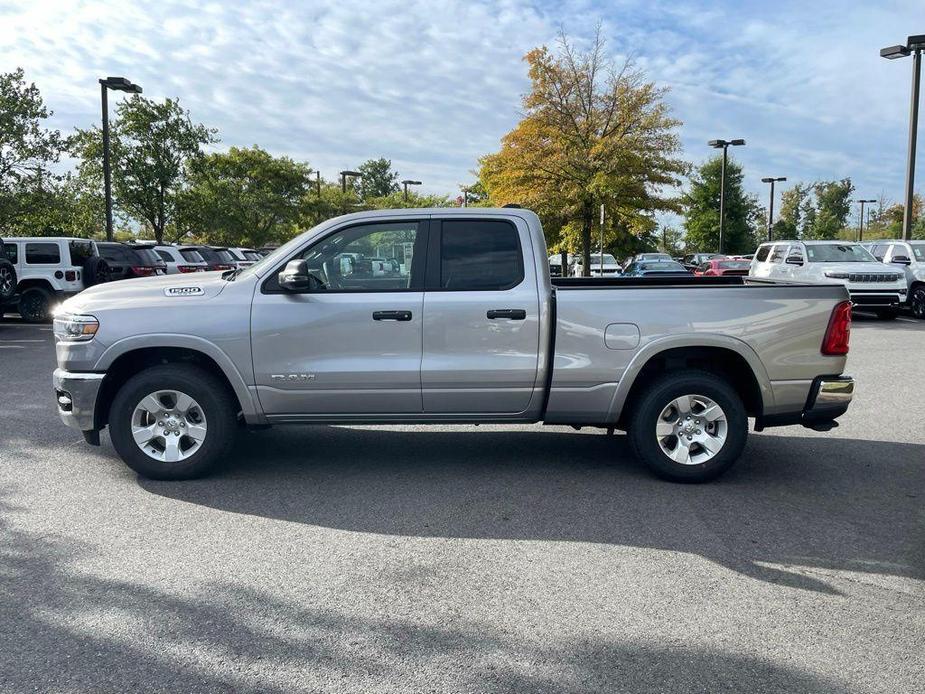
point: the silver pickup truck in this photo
(439, 316)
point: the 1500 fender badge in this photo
(183, 291)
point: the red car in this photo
(716, 267)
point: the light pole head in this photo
(717, 143)
(409, 182)
(894, 52)
(737, 142)
(121, 84)
(355, 174)
(916, 43)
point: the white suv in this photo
(909, 257)
(869, 284)
(181, 260)
(49, 270)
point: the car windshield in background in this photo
(838, 253)
(192, 256)
(662, 266)
(734, 265)
(608, 259)
(918, 249)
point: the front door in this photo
(352, 345)
(481, 318)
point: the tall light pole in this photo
(772, 181)
(119, 84)
(409, 182)
(914, 46)
(724, 145)
(861, 220)
(343, 185)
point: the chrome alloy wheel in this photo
(691, 429)
(169, 426)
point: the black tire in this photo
(658, 395)
(95, 271)
(7, 280)
(35, 305)
(887, 313)
(917, 301)
(212, 395)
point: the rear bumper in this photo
(829, 398)
(75, 394)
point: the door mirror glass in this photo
(901, 260)
(794, 260)
(296, 277)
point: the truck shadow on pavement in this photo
(69, 628)
(793, 509)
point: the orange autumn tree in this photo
(591, 134)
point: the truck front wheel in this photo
(172, 422)
(688, 426)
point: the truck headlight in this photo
(75, 328)
(837, 275)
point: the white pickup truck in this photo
(464, 327)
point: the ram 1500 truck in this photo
(445, 315)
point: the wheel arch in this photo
(720, 354)
(127, 357)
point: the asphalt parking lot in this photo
(464, 559)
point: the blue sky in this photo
(433, 85)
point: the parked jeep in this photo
(48, 270)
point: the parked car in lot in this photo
(649, 256)
(662, 268)
(909, 257)
(471, 330)
(720, 267)
(48, 270)
(244, 257)
(180, 260)
(692, 261)
(869, 284)
(610, 267)
(217, 258)
(125, 262)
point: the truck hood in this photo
(876, 268)
(148, 291)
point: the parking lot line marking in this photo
(6, 341)
(11, 347)
(906, 320)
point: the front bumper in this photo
(891, 298)
(829, 398)
(76, 394)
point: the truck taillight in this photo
(837, 335)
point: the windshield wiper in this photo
(229, 275)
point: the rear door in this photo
(481, 317)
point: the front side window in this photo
(42, 254)
(365, 258)
(480, 255)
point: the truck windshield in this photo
(838, 253)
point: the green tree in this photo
(378, 179)
(701, 216)
(591, 134)
(833, 204)
(27, 150)
(789, 224)
(671, 241)
(152, 146)
(243, 197)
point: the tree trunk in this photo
(587, 222)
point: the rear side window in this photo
(42, 254)
(777, 255)
(80, 252)
(191, 256)
(147, 256)
(762, 254)
(11, 250)
(480, 255)
(165, 256)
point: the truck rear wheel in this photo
(688, 426)
(172, 422)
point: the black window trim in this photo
(417, 269)
(432, 280)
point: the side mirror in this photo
(901, 260)
(794, 260)
(296, 277)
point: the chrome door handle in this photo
(512, 313)
(392, 315)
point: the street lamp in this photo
(772, 181)
(119, 84)
(724, 145)
(343, 185)
(914, 46)
(409, 182)
(861, 220)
